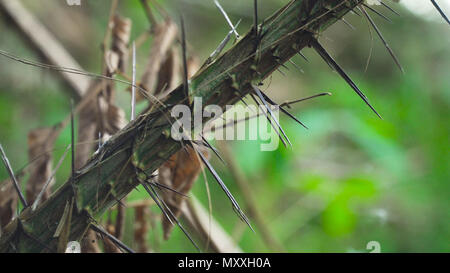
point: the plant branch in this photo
(145, 143)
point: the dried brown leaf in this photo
(141, 227)
(89, 244)
(87, 133)
(164, 36)
(193, 65)
(100, 116)
(112, 61)
(115, 119)
(179, 173)
(40, 144)
(169, 73)
(108, 245)
(120, 40)
(8, 202)
(120, 221)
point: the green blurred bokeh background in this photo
(350, 179)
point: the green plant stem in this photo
(145, 143)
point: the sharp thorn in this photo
(380, 35)
(270, 120)
(243, 101)
(174, 218)
(261, 97)
(440, 11)
(13, 177)
(72, 139)
(224, 188)
(255, 16)
(185, 68)
(347, 24)
(389, 8)
(283, 110)
(162, 186)
(281, 72)
(213, 149)
(324, 54)
(157, 201)
(283, 65)
(377, 13)
(100, 138)
(133, 87)
(116, 241)
(222, 45)
(296, 66)
(233, 28)
(355, 12)
(303, 56)
(289, 103)
(44, 188)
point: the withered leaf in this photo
(178, 173)
(87, 133)
(8, 202)
(89, 243)
(40, 145)
(120, 40)
(169, 73)
(165, 35)
(109, 246)
(141, 227)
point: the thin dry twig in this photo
(141, 227)
(44, 42)
(247, 193)
(49, 180)
(39, 141)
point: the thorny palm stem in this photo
(145, 143)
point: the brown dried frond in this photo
(87, 133)
(171, 70)
(100, 116)
(40, 143)
(119, 228)
(165, 35)
(169, 73)
(112, 117)
(193, 64)
(89, 244)
(141, 227)
(8, 202)
(120, 40)
(109, 246)
(178, 173)
(116, 58)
